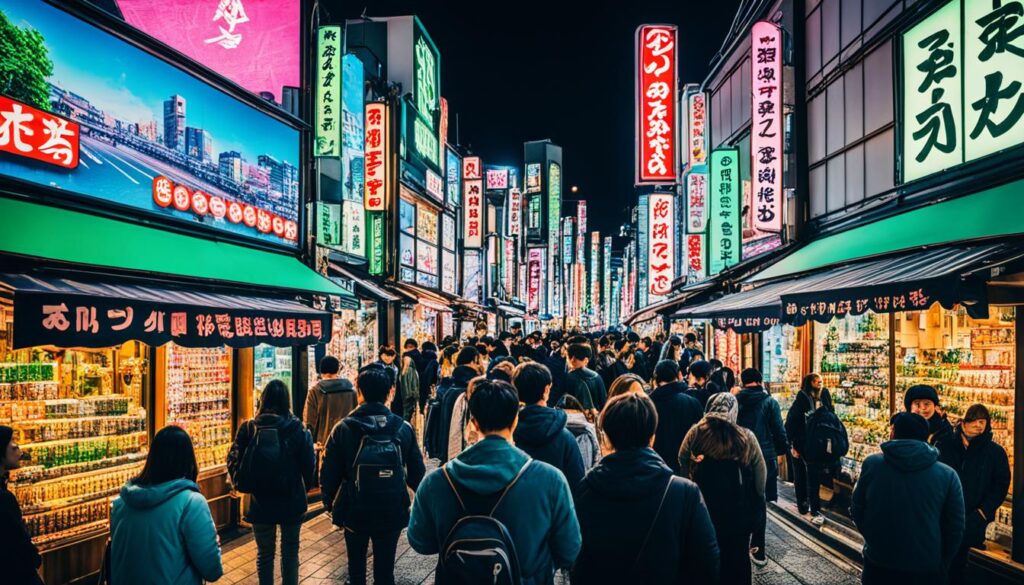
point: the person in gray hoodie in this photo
(161, 529)
(328, 401)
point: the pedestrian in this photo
(677, 412)
(909, 508)
(541, 431)
(466, 368)
(22, 559)
(762, 414)
(725, 461)
(371, 458)
(386, 357)
(411, 348)
(558, 364)
(641, 524)
(161, 529)
(698, 374)
(461, 434)
(447, 366)
(429, 374)
(627, 383)
(583, 431)
(272, 459)
(530, 499)
(409, 388)
(984, 472)
(583, 383)
(624, 361)
(502, 369)
(806, 474)
(605, 361)
(640, 366)
(328, 401)
(923, 399)
(722, 380)
(691, 351)
(673, 350)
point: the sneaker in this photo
(817, 519)
(802, 508)
(757, 555)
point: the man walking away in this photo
(465, 370)
(542, 431)
(430, 374)
(677, 412)
(909, 508)
(370, 458)
(328, 401)
(530, 499)
(583, 383)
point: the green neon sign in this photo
(426, 75)
(425, 142)
(375, 249)
(724, 226)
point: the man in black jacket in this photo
(541, 430)
(465, 370)
(677, 412)
(429, 374)
(923, 400)
(344, 499)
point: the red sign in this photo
(473, 206)
(497, 179)
(443, 127)
(166, 193)
(695, 257)
(766, 134)
(471, 168)
(515, 208)
(376, 170)
(657, 154)
(661, 242)
(28, 132)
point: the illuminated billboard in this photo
(657, 159)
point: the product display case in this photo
(782, 363)
(728, 349)
(270, 363)
(198, 399)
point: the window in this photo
(855, 175)
(851, 25)
(813, 43)
(835, 135)
(829, 30)
(878, 94)
(854, 106)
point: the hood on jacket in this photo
(909, 455)
(628, 475)
(373, 417)
(668, 389)
(428, 355)
(335, 385)
(724, 406)
(283, 423)
(488, 466)
(142, 497)
(461, 375)
(538, 425)
(574, 420)
(751, 396)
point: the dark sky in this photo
(527, 70)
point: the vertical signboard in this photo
(581, 231)
(353, 136)
(442, 132)
(515, 210)
(453, 178)
(375, 251)
(661, 252)
(766, 124)
(508, 263)
(426, 62)
(534, 265)
(354, 226)
(533, 178)
(328, 224)
(607, 283)
(471, 168)
(696, 202)
(328, 92)
(642, 219)
(656, 100)
(698, 154)
(567, 239)
(695, 263)
(473, 213)
(497, 179)
(595, 275)
(376, 165)
(724, 226)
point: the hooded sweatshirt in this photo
(761, 413)
(617, 505)
(909, 508)
(327, 402)
(586, 437)
(538, 510)
(542, 434)
(163, 534)
(723, 406)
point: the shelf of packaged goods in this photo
(193, 384)
(62, 472)
(56, 442)
(92, 435)
(204, 400)
(27, 511)
(188, 416)
(61, 539)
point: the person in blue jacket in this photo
(537, 510)
(162, 532)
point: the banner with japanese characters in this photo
(328, 92)
(376, 165)
(497, 179)
(515, 211)
(472, 168)
(766, 125)
(595, 274)
(697, 129)
(695, 258)
(661, 239)
(724, 226)
(473, 213)
(657, 156)
(696, 202)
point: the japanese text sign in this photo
(376, 169)
(515, 210)
(28, 132)
(168, 194)
(471, 168)
(695, 267)
(533, 178)
(497, 179)
(697, 202)
(766, 126)
(435, 185)
(535, 263)
(724, 220)
(427, 75)
(595, 273)
(656, 152)
(453, 178)
(581, 230)
(354, 228)
(823, 306)
(661, 239)
(328, 92)
(375, 251)
(698, 129)
(473, 213)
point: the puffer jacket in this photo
(327, 402)
(542, 434)
(984, 472)
(163, 534)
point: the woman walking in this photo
(806, 475)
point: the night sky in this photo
(545, 69)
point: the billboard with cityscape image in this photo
(152, 137)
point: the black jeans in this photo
(734, 560)
(384, 547)
(771, 493)
(807, 479)
(876, 575)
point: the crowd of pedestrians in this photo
(614, 459)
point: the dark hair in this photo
(505, 335)
(386, 350)
(691, 337)
(374, 384)
(488, 340)
(276, 399)
(623, 383)
(569, 402)
(329, 365)
(481, 348)
(674, 340)
(620, 345)
(806, 385)
(720, 438)
(632, 337)
(429, 346)
(716, 364)
(494, 405)
(580, 351)
(449, 352)
(978, 411)
(467, 355)
(724, 378)
(171, 456)
(751, 376)
(666, 371)
(530, 380)
(629, 421)
(700, 369)
(410, 342)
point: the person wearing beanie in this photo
(909, 508)
(922, 399)
(23, 558)
(699, 371)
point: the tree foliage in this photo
(25, 65)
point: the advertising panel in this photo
(696, 199)
(724, 227)
(354, 226)
(375, 221)
(497, 179)
(595, 274)
(352, 135)
(535, 264)
(453, 180)
(435, 186)
(448, 235)
(328, 92)
(698, 154)
(472, 277)
(657, 156)
(533, 178)
(473, 206)
(643, 218)
(766, 136)
(471, 168)
(448, 272)
(515, 210)
(377, 171)
(426, 223)
(426, 64)
(695, 267)
(661, 252)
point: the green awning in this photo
(52, 233)
(988, 214)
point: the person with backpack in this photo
(762, 414)
(807, 470)
(583, 431)
(640, 523)
(161, 529)
(541, 431)
(273, 460)
(725, 461)
(583, 383)
(677, 412)
(370, 458)
(22, 557)
(466, 368)
(328, 401)
(386, 357)
(493, 514)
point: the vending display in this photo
(782, 347)
(270, 363)
(198, 394)
(727, 349)
(80, 417)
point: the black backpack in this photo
(730, 495)
(432, 428)
(825, 441)
(479, 548)
(376, 492)
(266, 467)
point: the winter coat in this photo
(327, 402)
(429, 375)
(796, 418)
(752, 456)
(541, 433)
(337, 473)
(761, 413)
(22, 557)
(603, 365)
(701, 394)
(163, 534)
(278, 508)
(677, 412)
(443, 385)
(460, 381)
(616, 504)
(587, 386)
(397, 405)
(938, 429)
(558, 367)
(984, 473)
(409, 388)
(640, 366)
(538, 510)
(586, 438)
(617, 369)
(457, 429)
(909, 508)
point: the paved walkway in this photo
(793, 559)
